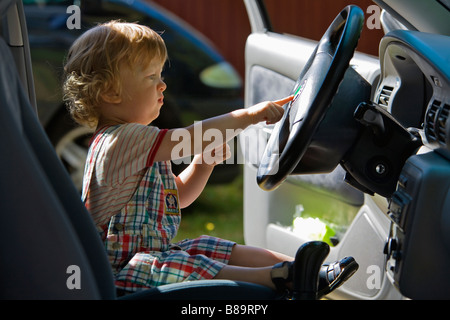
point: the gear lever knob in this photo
(308, 261)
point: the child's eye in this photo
(156, 76)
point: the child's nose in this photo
(162, 85)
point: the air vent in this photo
(436, 123)
(385, 96)
(433, 111)
(441, 124)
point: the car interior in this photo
(365, 143)
(373, 175)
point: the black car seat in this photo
(47, 237)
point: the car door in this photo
(314, 206)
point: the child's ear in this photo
(111, 96)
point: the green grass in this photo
(217, 212)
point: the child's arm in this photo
(270, 112)
(192, 180)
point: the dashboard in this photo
(415, 89)
(415, 85)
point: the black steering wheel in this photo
(314, 92)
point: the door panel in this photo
(273, 64)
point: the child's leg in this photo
(254, 275)
(255, 265)
(252, 264)
(247, 256)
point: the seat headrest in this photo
(4, 5)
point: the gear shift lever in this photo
(308, 261)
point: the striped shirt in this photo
(116, 163)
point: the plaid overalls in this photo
(138, 235)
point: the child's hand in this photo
(217, 155)
(270, 111)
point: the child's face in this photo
(142, 93)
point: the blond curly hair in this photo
(92, 64)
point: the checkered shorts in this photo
(197, 259)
